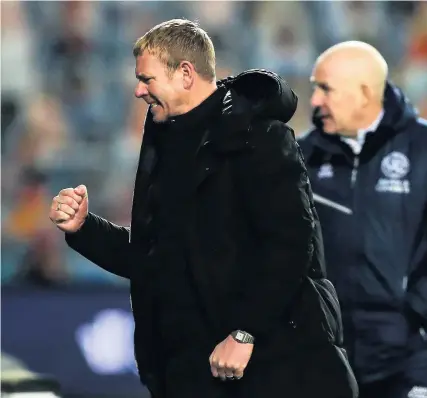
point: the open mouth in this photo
(152, 102)
(154, 106)
(321, 115)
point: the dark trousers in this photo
(318, 373)
(411, 382)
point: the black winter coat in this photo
(253, 238)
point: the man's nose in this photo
(141, 90)
(316, 99)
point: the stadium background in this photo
(68, 116)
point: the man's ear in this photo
(188, 74)
(367, 94)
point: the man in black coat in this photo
(367, 164)
(224, 251)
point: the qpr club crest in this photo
(395, 167)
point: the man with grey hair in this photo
(366, 159)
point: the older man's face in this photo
(336, 96)
(163, 92)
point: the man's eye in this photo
(145, 80)
(324, 87)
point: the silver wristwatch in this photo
(243, 337)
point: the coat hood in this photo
(259, 93)
(398, 109)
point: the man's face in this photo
(337, 97)
(165, 93)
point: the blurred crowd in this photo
(68, 115)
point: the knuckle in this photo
(65, 191)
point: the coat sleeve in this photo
(416, 298)
(105, 244)
(274, 189)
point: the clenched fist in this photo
(230, 358)
(70, 208)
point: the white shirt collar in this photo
(357, 144)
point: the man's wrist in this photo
(243, 337)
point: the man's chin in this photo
(330, 131)
(159, 118)
(329, 127)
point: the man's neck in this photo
(205, 93)
(369, 122)
(200, 95)
(357, 141)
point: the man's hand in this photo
(69, 209)
(230, 358)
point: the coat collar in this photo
(229, 133)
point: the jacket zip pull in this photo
(354, 171)
(405, 283)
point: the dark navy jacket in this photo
(373, 211)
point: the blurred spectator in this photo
(39, 261)
(286, 45)
(415, 64)
(46, 133)
(20, 79)
(42, 264)
(26, 219)
(328, 23)
(9, 111)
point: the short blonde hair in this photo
(179, 40)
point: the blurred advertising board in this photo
(81, 336)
